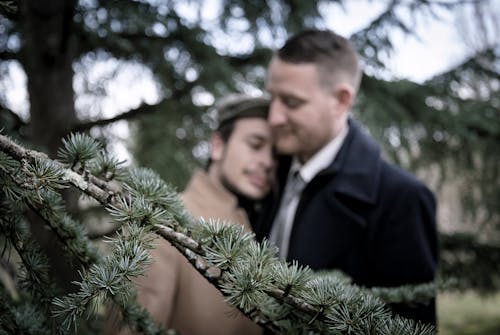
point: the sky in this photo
(436, 48)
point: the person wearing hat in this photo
(240, 171)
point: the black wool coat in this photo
(365, 217)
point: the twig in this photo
(105, 197)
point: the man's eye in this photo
(292, 102)
(255, 144)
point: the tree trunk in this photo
(47, 56)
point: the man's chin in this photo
(286, 148)
(255, 194)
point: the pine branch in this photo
(22, 313)
(142, 110)
(7, 6)
(22, 317)
(464, 256)
(408, 294)
(88, 187)
(7, 55)
(10, 9)
(18, 122)
(229, 258)
(48, 207)
(7, 280)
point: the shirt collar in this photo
(320, 160)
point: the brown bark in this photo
(48, 54)
(48, 51)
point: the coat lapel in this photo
(357, 167)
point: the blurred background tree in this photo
(155, 67)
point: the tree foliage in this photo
(282, 297)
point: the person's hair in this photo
(225, 130)
(334, 56)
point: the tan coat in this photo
(175, 294)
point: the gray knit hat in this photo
(238, 105)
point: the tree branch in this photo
(186, 245)
(142, 110)
(7, 279)
(8, 55)
(190, 248)
(258, 56)
(105, 197)
(10, 9)
(18, 122)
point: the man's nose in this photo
(277, 114)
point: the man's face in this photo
(304, 115)
(245, 161)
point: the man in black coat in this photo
(339, 204)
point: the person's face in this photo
(245, 163)
(304, 114)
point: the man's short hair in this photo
(333, 55)
(237, 106)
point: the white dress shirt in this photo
(320, 161)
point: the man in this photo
(240, 170)
(356, 213)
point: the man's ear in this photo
(216, 147)
(344, 95)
